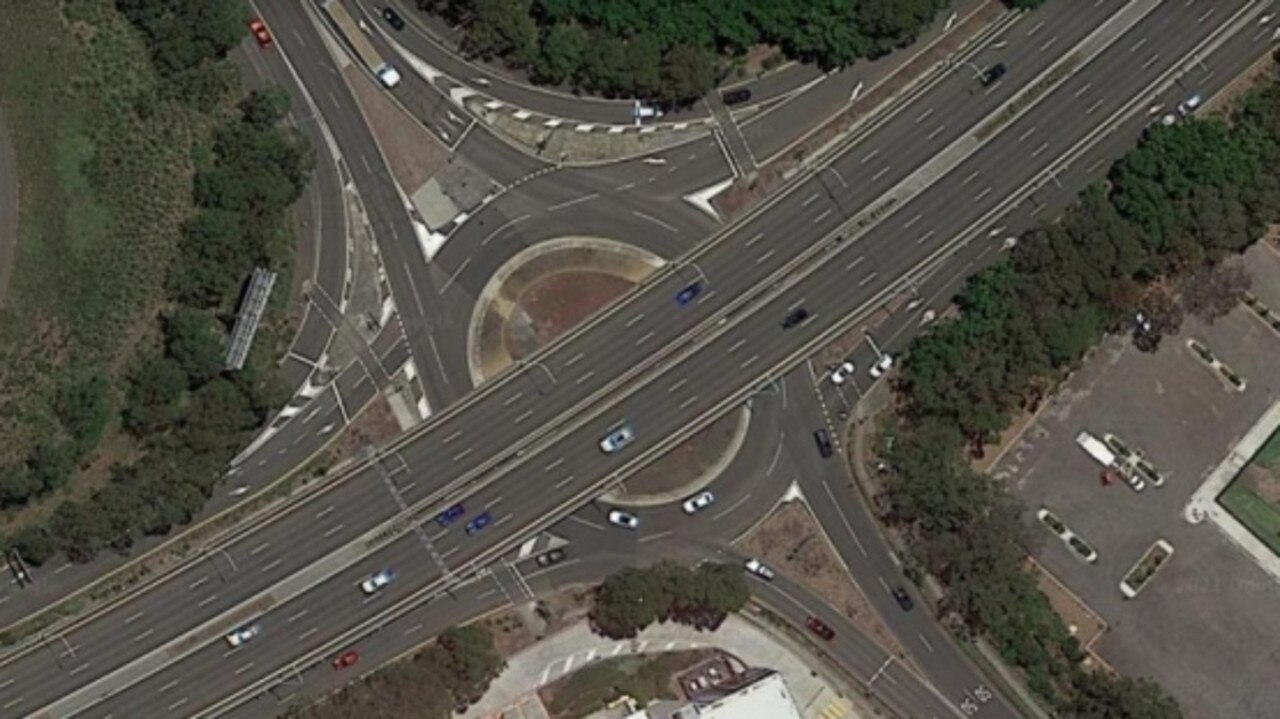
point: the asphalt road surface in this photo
(695, 378)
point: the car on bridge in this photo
(346, 659)
(617, 439)
(446, 517)
(479, 523)
(242, 635)
(375, 582)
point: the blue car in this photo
(685, 296)
(479, 523)
(446, 517)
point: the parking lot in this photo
(1205, 626)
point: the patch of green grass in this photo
(104, 170)
(1254, 512)
(1269, 454)
(642, 678)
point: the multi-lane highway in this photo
(524, 447)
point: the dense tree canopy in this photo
(669, 51)
(633, 598)
(1150, 242)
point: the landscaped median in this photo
(1139, 576)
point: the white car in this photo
(758, 568)
(388, 76)
(619, 518)
(242, 635)
(698, 502)
(377, 581)
(842, 373)
(617, 439)
(881, 366)
(1189, 105)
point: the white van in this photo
(387, 75)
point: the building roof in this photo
(765, 698)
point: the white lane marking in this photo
(259, 548)
(333, 530)
(207, 600)
(198, 582)
(271, 566)
(324, 512)
(133, 617)
(297, 616)
(659, 535)
(822, 216)
(759, 236)
(575, 201)
(564, 481)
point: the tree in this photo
(625, 603)
(34, 543)
(1100, 695)
(219, 416)
(264, 109)
(51, 464)
(1211, 291)
(17, 485)
(192, 338)
(502, 28)
(468, 661)
(688, 72)
(156, 383)
(83, 406)
(79, 529)
(560, 58)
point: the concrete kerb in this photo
(1204, 502)
(699, 482)
(499, 296)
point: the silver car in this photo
(617, 439)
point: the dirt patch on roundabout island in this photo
(555, 304)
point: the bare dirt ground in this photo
(675, 468)
(412, 153)
(789, 541)
(375, 425)
(556, 304)
(1089, 626)
(513, 631)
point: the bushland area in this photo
(676, 51)
(1151, 240)
(151, 185)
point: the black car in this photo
(824, 442)
(546, 559)
(902, 598)
(993, 73)
(735, 97)
(795, 317)
(393, 18)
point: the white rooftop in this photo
(766, 698)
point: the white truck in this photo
(1097, 449)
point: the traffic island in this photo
(1139, 576)
(549, 289)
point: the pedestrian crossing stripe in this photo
(835, 709)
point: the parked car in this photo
(823, 440)
(617, 439)
(346, 659)
(242, 635)
(698, 502)
(375, 582)
(795, 317)
(480, 522)
(260, 32)
(446, 517)
(819, 627)
(736, 96)
(842, 373)
(902, 598)
(619, 518)
(550, 557)
(884, 364)
(759, 568)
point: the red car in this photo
(260, 32)
(346, 659)
(819, 627)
